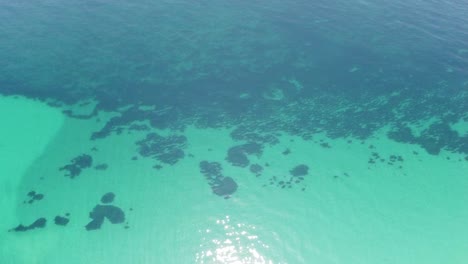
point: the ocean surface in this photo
(177, 131)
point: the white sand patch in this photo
(27, 129)
(461, 127)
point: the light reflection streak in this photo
(231, 243)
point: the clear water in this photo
(233, 132)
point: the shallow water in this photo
(233, 132)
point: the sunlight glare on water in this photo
(231, 243)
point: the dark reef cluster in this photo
(433, 139)
(238, 155)
(220, 185)
(112, 213)
(77, 164)
(260, 134)
(250, 93)
(167, 150)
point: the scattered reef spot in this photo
(392, 159)
(296, 177)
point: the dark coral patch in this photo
(61, 221)
(256, 169)
(436, 137)
(108, 198)
(238, 155)
(286, 152)
(39, 223)
(225, 186)
(246, 133)
(220, 185)
(77, 165)
(167, 150)
(114, 214)
(299, 170)
(34, 196)
(138, 127)
(211, 169)
(102, 166)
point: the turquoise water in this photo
(233, 132)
